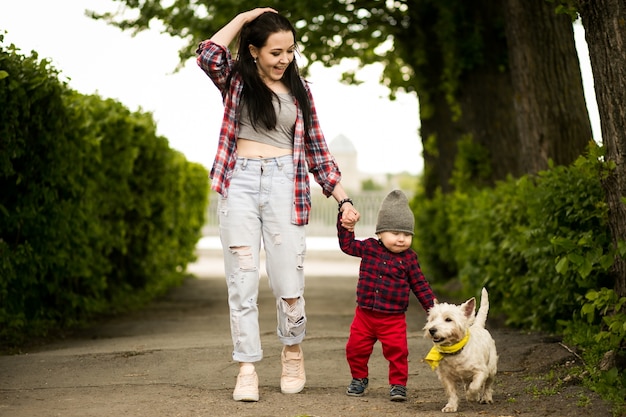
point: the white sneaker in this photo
(293, 378)
(247, 387)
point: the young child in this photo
(389, 271)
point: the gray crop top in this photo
(282, 135)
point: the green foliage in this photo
(407, 181)
(599, 330)
(422, 45)
(610, 309)
(472, 166)
(41, 177)
(428, 47)
(371, 185)
(541, 245)
(538, 243)
(545, 385)
(567, 7)
(97, 213)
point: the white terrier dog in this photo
(464, 351)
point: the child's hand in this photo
(349, 217)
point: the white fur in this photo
(475, 366)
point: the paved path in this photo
(173, 358)
(178, 350)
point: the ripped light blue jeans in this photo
(258, 211)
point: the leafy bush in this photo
(542, 247)
(97, 213)
(539, 244)
(599, 331)
(43, 228)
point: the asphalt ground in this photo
(173, 358)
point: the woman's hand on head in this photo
(227, 34)
(250, 15)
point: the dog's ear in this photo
(469, 307)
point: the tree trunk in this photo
(551, 113)
(523, 113)
(439, 139)
(605, 31)
(489, 118)
(484, 96)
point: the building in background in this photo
(356, 180)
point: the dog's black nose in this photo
(432, 331)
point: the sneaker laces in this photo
(291, 366)
(246, 381)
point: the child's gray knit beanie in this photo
(395, 214)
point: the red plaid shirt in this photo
(310, 151)
(385, 278)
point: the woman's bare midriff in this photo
(250, 149)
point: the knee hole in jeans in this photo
(244, 257)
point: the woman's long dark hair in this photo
(256, 95)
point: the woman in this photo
(270, 138)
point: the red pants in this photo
(368, 327)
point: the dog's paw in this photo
(486, 400)
(472, 396)
(487, 397)
(449, 408)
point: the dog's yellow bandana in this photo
(437, 352)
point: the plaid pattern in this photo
(385, 278)
(310, 151)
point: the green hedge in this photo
(542, 247)
(538, 244)
(97, 212)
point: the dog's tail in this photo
(481, 316)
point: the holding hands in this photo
(349, 216)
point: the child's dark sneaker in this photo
(397, 393)
(357, 387)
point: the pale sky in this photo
(94, 57)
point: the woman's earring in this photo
(254, 60)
